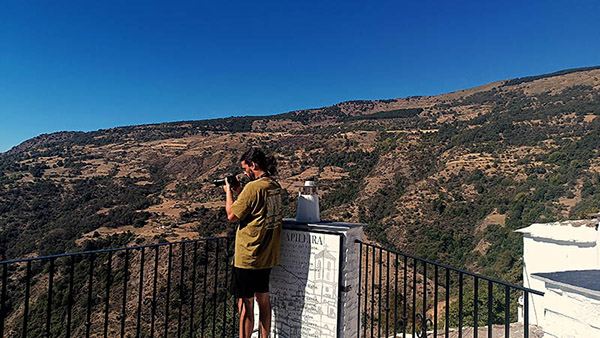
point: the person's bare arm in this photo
(228, 202)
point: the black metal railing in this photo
(179, 289)
(402, 295)
(167, 289)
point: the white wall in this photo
(552, 247)
(570, 314)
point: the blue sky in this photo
(88, 65)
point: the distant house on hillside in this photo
(562, 259)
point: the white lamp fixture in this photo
(308, 203)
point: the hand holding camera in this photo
(230, 182)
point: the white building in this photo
(554, 254)
(571, 303)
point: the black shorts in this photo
(246, 282)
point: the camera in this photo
(232, 179)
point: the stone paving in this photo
(516, 331)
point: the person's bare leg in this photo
(264, 313)
(246, 310)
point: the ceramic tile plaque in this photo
(304, 288)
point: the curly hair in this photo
(266, 163)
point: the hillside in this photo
(446, 177)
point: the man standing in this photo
(257, 239)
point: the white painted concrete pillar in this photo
(314, 290)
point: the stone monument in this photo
(314, 289)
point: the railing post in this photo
(414, 298)
(216, 282)
(181, 282)
(70, 296)
(107, 295)
(507, 311)
(359, 289)
(226, 267)
(424, 323)
(88, 322)
(526, 313)
(460, 304)
(125, 281)
(140, 293)
(204, 289)
(475, 306)
(405, 297)
(387, 295)
(380, 293)
(366, 290)
(154, 290)
(49, 302)
(447, 313)
(168, 296)
(3, 302)
(26, 310)
(435, 301)
(395, 293)
(193, 298)
(490, 303)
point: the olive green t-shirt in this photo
(258, 237)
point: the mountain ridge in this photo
(56, 136)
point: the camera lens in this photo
(232, 179)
